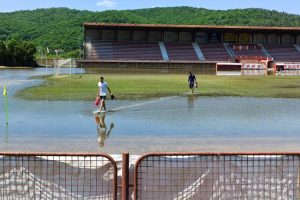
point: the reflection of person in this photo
(102, 91)
(192, 81)
(103, 133)
(191, 101)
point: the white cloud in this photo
(107, 3)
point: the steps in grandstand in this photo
(264, 50)
(198, 51)
(229, 50)
(297, 47)
(88, 47)
(163, 50)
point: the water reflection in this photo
(6, 135)
(288, 72)
(103, 132)
(145, 124)
(258, 73)
(254, 72)
(191, 101)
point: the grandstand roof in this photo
(187, 27)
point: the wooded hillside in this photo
(61, 28)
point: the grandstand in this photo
(125, 51)
(193, 45)
(284, 52)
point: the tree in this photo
(18, 52)
(2, 53)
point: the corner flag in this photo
(6, 107)
(4, 91)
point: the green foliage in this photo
(2, 52)
(62, 28)
(17, 53)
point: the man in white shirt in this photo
(102, 92)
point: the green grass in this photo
(141, 86)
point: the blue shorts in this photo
(191, 85)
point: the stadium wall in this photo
(148, 65)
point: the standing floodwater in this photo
(175, 123)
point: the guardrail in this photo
(57, 176)
(156, 176)
(217, 176)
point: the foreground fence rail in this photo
(157, 176)
(226, 176)
(57, 176)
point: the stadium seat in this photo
(214, 52)
(283, 52)
(119, 50)
(181, 51)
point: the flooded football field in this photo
(174, 123)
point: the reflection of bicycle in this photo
(103, 133)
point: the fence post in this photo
(125, 176)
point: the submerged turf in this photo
(141, 86)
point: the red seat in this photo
(214, 52)
(125, 50)
(283, 52)
(181, 51)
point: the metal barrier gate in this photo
(228, 176)
(157, 176)
(57, 176)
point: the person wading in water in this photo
(102, 92)
(192, 81)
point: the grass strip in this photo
(143, 86)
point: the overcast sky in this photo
(289, 6)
